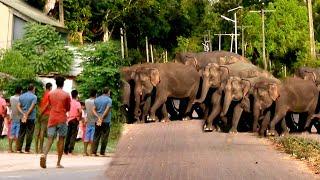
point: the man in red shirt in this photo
(59, 103)
(42, 123)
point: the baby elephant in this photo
(292, 95)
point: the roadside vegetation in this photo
(301, 148)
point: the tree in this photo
(43, 48)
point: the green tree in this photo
(44, 49)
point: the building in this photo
(13, 16)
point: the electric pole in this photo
(311, 31)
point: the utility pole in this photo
(147, 49)
(122, 43)
(61, 13)
(263, 11)
(311, 31)
(242, 38)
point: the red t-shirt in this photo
(59, 101)
(3, 109)
(43, 103)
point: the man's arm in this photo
(19, 108)
(33, 105)
(106, 112)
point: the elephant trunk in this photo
(227, 102)
(126, 90)
(204, 90)
(137, 96)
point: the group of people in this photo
(59, 116)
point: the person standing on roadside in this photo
(16, 116)
(90, 121)
(103, 106)
(59, 103)
(42, 123)
(73, 122)
(27, 103)
(3, 112)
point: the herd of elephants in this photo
(226, 90)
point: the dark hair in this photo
(74, 93)
(48, 85)
(105, 90)
(30, 87)
(18, 90)
(60, 81)
(93, 93)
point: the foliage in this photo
(301, 148)
(44, 49)
(188, 44)
(101, 68)
(10, 86)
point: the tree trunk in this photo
(61, 14)
(311, 31)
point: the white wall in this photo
(68, 84)
(5, 26)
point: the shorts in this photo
(90, 129)
(60, 129)
(14, 130)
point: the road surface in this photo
(180, 150)
(26, 166)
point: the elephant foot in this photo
(186, 118)
(165, 120)
(152, 119)
(286, 133)
(233, 131)
(207, 128)
(272, 133)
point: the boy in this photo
(16, 116)
(90, 121)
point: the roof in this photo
(30, 13)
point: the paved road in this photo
(179, 150)
(26, 167)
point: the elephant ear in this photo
(246, 85)
(273, 91)
(224, 72)
(154, 76)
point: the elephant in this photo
(309, 73)
(216, 76)
(202, 59)
(291, 95)
(127, 85)
(241, 89)
(172, 80)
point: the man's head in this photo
(31, 87)
(48, 86)
(106, 91)
(60, 81)
(18, 90)
(74, 94)
(93, 93)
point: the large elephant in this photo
(202, 59)
(292, 95)
(173, 80)
(241, 89)
(216, 76)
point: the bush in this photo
(101, 68)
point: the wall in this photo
(6, 26)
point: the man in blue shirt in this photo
(103, 106)
(27, 103)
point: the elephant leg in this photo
(265, 123)
(278, 116)
(284, 127)
(216, 110)
(158, 102)
(164, 113)
(235, 118)
(308, 125)
(146, 108)
(256, 114)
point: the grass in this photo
(301, 148)
(114, 135)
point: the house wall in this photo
(6, 21)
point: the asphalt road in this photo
(180, 150)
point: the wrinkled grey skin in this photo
(216, 76)
(293, 94)
(240, 89)
(170, 80)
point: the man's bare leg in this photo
(10, 145)
(60, 145)
(43, 157)
(85, 151)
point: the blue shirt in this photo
(101, 104)
(26, 100)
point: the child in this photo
(16, 116)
